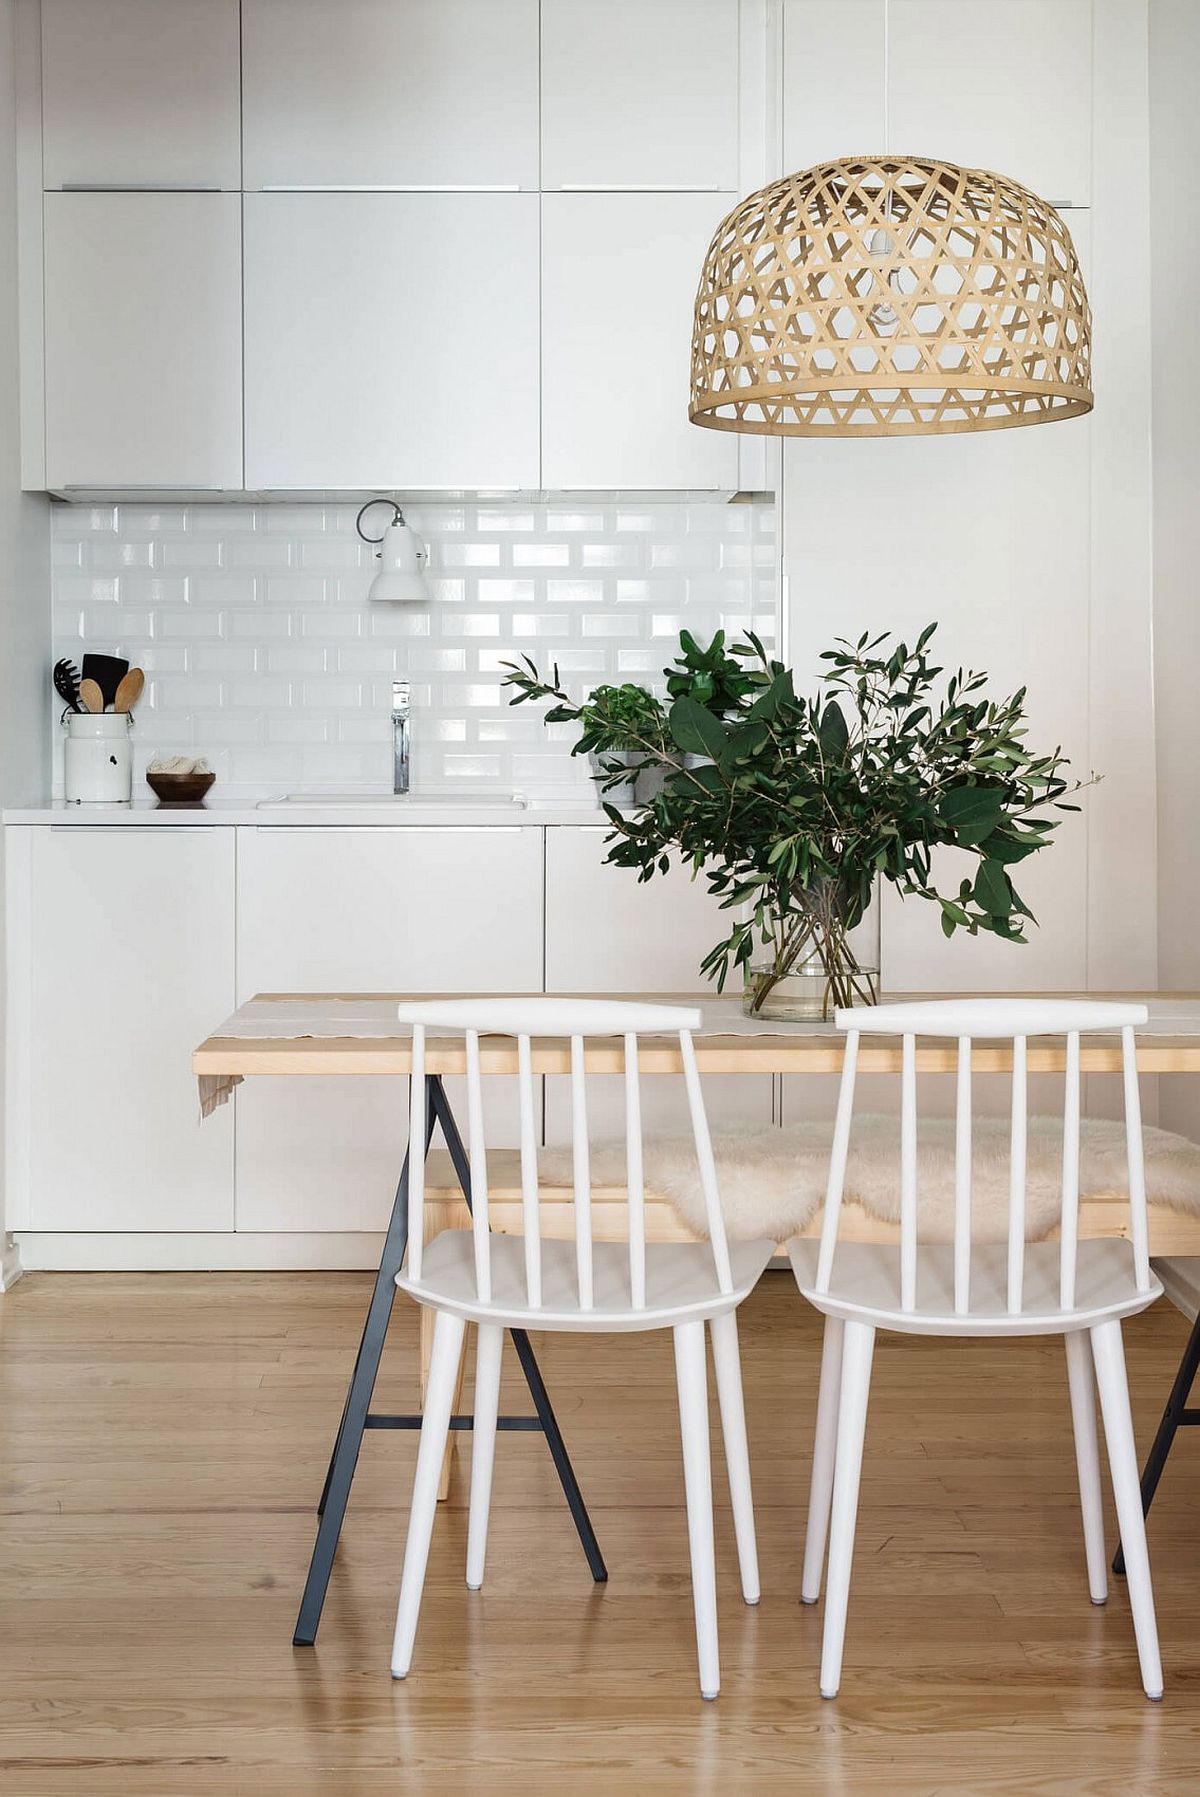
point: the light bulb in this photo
(880, 244)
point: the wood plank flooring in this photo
(163, 1440)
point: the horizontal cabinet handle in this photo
(142, 187)
(391, 187)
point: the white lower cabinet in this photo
(130, 965)
(605, 932)
(373, 910)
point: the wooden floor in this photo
(162, 1442)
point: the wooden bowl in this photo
(180, 789)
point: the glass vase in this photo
(832, 964)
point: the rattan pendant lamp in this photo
(890, 296)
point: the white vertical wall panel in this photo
(999, 84)
(833, 80)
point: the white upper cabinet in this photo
(143, 340)
(619, 277)
(640, 93)
(998, 84)
(372, 93)
(391, 340)
(140, 93)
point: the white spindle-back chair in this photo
(1080, 1290)
(501, 1282)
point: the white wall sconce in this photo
(401, 580)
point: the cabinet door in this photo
(640, 93)
(391, 340)
(619, 278)
(131, 966)
(140, 93)
(143, 340)
(605, 932)
(371, 94)
(375, 910)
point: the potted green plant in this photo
(799, 805)
(622, 728)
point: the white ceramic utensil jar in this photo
(98, 762)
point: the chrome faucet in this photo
(401, 739)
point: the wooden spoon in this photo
(130, 690)
(90, 695)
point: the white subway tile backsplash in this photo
(266, 656)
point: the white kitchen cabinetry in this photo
(129, 964)
(375, 910)
(369, 93)
(391, 340)
(143, 340)
(606, 932)
(640, 93)
(619, 276)
(140, 93)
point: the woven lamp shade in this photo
(888, 296)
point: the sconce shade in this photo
(401, 578)
(890, 296)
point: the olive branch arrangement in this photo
(794, 806)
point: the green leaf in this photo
(972, 812)
(993, 893)
(833, 732)
(695, 730)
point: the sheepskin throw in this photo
(772, 1180)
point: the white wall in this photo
(1031, 547)
(24, 522)
(1175, 363)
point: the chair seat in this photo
(865, 1287)
(681, 1284)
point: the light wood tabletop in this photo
(308, 1042)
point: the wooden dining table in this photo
(356, 1035)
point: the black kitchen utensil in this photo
(107, 671)
(66, 684)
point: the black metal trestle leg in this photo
(355, 1412)
(530, 1368)
(1175, 1416)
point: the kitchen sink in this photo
(405, 801)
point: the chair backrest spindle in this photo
(530, 1208)
(1068, 1251)
(581, 1173)
(416, 1153)
(1017, 1159)
(634, 1181)
(962, 1180)
(477, 1149)
(837, 1162)
(707, 1165)
(908, 1173)
(1135, 1155)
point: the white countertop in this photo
(233, 809)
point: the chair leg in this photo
(439, 1396)
(728, 1363)
(1081, 1379)
(691, 1375)
(489, 1347)
(1109, 1353)
(857, 1349)
(820, 1491)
